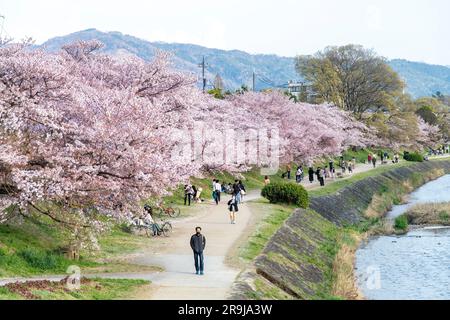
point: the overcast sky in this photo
(416, 30)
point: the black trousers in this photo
(217, 196)
(198, 261)
(187, 199)
(322, 181)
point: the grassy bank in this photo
(429, 214)
(90, 289)
(35, 246)
(271, 218)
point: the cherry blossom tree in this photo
(307, 131)
(84, 129)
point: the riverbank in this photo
(304, 259)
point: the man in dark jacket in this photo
(198, 243)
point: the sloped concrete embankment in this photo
(297, 262)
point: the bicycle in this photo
(169, 211)
(153, 229)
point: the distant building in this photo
(295, 88)
(303, 91)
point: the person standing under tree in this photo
(374, 161)
(198, 243)
(187, 194)
(266, 180)
(288, 171)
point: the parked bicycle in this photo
(167, 210)
(152, 229)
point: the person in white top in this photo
(218, 189)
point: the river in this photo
(415, 266)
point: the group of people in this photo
(237, 192)
(191, 193)
(145, 218)
(440, 151)
(198, 240)
(320, 173)
(384, 157)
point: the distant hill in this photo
(423, 79)
(236, 67)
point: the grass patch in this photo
(274, 217)
(34, 247)
(31, 248)
(90, 289)
(430, 214)
(401, 223)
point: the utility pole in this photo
(203, 66)
(254, 81)
(2, 25)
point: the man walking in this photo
(198, 243)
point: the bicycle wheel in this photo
(161, 213)
(166, 228)
(173, 212)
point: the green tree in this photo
(242, 89)
(428, 115)
(351, 77)
(217, 93)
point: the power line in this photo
(203, 65)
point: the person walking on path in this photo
(350, 167)
(396, 158)
(332, 170)
(326, 173)
(236, 188)
(343, 166)
(214, 191)
(299, 175)
(242, 193)
(198, 244)
(288, 171)
(374, 161)
(218, 187)
(233, 208)
(320, 177)
(311, 174)
(369, 158)
(353, 164)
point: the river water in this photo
(415, 266)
